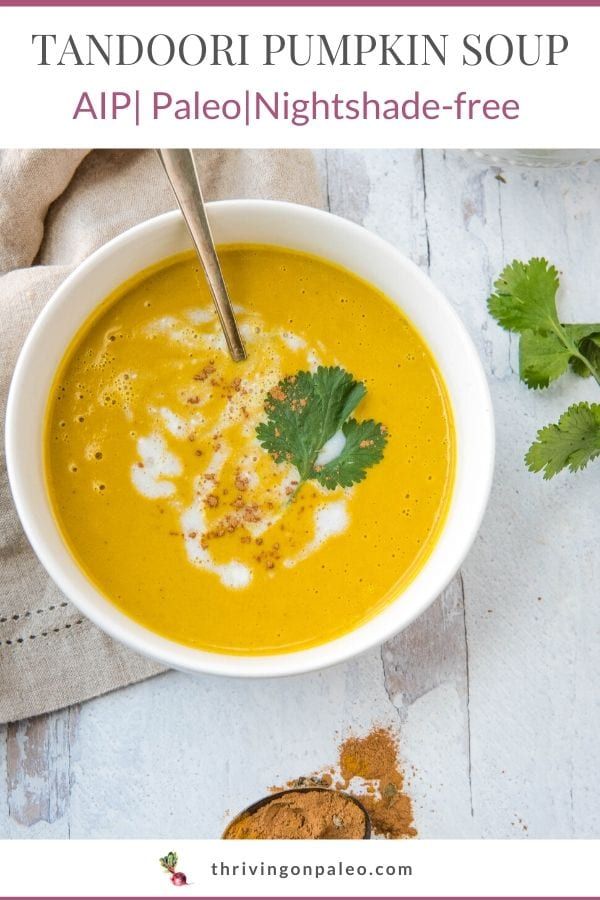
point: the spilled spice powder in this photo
(301, 815)
(373, 761)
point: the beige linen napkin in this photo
(56, 207)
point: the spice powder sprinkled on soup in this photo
(255, 507)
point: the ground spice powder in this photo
(301, 815)
(368, 768)
(374, 759)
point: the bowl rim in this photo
(374, 631)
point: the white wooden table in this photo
(494, 692)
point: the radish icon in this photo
(169, 863)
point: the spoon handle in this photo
(182, 173)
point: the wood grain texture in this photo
(493, 690)
(38, 772)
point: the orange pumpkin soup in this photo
(176, 510)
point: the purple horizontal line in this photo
(283, 3)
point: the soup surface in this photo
(170, 504)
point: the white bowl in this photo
(300, 228)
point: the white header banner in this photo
(299, 77)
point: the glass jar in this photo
(547, 159)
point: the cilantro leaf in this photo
(587, 338)
(571, 443)
(542, 358)
(365, 443)
(525, 298)
(305, 410)
(545, 356)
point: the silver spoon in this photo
(183, 175)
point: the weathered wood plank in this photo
(426, 670)
(532, 615)
(426, 666)
(38, 776)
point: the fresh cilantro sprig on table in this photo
(525, 302)
(304, 411)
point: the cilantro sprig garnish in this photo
(525, 302)
(304, 411)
